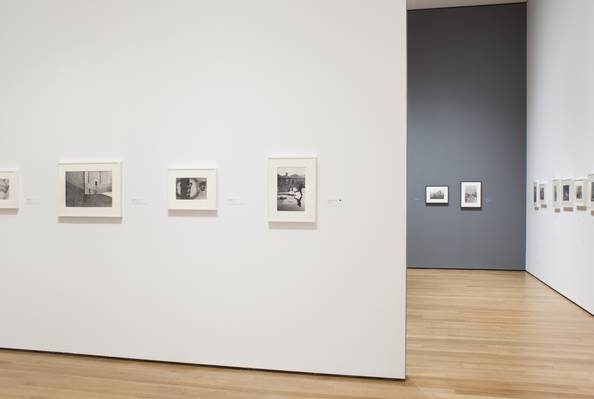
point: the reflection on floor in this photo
(471, 335)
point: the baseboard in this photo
(465, 268)
(81, 355)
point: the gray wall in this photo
(467, 121)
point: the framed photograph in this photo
(292, 189)
(567, 193)
(542, 194)
(9, 190)
(90, 189)
(591, 190)
(580, 195)
(437, 195)
(192, 189)
(471, 194)
(557, 193)
(535, 194)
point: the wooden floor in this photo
(471, 335)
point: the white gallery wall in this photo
(560, 246)
(208, 83)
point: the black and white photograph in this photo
(192, 189)
(4, 189)
(579, 192)
(90, 190)
(581, 199)
(591, 191)
(290, 189)
(471, 195)
(567, 193)
(535, 193)
(542, 194)
(8, 190)
(437, 195)
(557, 188)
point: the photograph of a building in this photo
(291, 189)
(471, 195)
(89, 189)
(438, 194)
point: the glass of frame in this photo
(192, 189)
(90, 189)
(591, 191)
(542, 194)
(292, 189)
(9, 190)
(437, 195)
(580, 195)
(567, 195)
(471, 195)
(557, 193)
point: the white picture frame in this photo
(192, 189)
(542, 194)
(580, 195)
(535, 201)
(292, 189)
(437, 195)
(567, 195)
(91, 189)
(471, 195)
(591, 191)
(556, 193)
(9, 190)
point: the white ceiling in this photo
(418, 4)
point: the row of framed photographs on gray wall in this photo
(565, 193)
(95, 189)
(471, 195)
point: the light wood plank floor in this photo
(471, 335)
